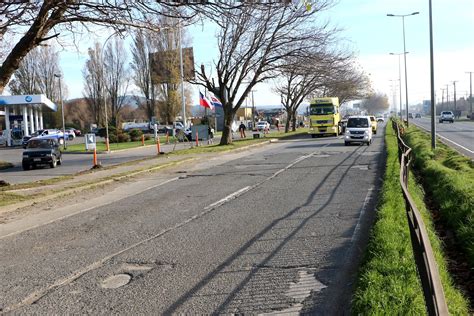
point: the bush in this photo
(135, 134)
(102, 131)
(113, 138)
(147, 137)
(123, 138)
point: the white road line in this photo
(35, 296)
(85, 210)
(362, 213)
(442, 137)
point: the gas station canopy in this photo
(23, 115)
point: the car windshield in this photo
(321, 110)
(358, 122)
(40, 143)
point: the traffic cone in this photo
(167, 137)
(158, 147)
(197, 139)
(95, 157)
(143, 140)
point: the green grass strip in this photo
(448, 178)
(388, 280)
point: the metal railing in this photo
(423, 253)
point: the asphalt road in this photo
(278, 228)
(458, 135)
(73, 162)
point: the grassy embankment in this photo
(388, 281)
(448, 178)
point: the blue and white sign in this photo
(28, 98)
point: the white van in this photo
(358, 130)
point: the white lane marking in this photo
(362, 212)
(85, 210)
(445, 138)
(36, 295)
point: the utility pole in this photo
(442, 99)
(447, 96)
(454, 84)
(181, 69)
(433, 100)
(253, 110)
(470, 94)
(62, 108)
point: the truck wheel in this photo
(313, 135)
(346, 143)
(25, 166)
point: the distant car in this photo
(417, 115)
(77, 132)
(446, 116)
(358, 130)
(41, 151)
(373, 121)
(410, 115)
(70, 132)
(380, 119)
(263, 125)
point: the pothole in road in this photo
(300, 290)
(116, 281)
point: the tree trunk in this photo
(293, 118)
(226, 138)
(288, 119)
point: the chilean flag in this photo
(215, 101)
(203, 101)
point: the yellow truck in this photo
(325, 117)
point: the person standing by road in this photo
(242, 129)
(277, 124)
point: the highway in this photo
(458, 135)
(278, 228)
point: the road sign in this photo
(90, 141)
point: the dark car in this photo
(417, 115)
(41, 151)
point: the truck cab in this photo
(325, 117)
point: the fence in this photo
(424, 258)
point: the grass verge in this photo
(5, 165)
(388, 279)
(448, 178)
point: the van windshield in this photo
(358, 122)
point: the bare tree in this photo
(252, 43)
(376, 102)
(94, 83)
(116, 77)
(32, 23)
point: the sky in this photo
(372, 35)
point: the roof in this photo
(33, 99)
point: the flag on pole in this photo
(215, 101)
(204, 101)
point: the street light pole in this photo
(181, 68)
(404, 55)
(400, 78)
(62, 108)
(433, 105)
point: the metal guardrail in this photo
(423, 253)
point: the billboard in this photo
(165, 66)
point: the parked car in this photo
(41, 151)
(358, 130)
(417, 115)
(54, 133)
(70, 133)
(410, 115)
(263, 125)
(373, 122)
(446, 116)
(77, 132)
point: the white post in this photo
(36, 119)
(183, 101)
(25, 121)
(41, 118)
(32, 127)
(7, 126)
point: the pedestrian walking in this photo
(210, 137)
(277, 125)
(242, 129)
